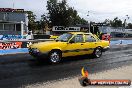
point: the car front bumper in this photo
(33, 53)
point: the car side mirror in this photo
(71, 41)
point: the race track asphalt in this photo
(18, 70)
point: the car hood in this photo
(47, 44)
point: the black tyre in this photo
(84, 82)
(55, 57)
(97, 52)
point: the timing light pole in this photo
(125, 22)
(88, 22)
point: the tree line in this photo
(116, 22)
(61, 14)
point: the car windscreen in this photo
(64, 38)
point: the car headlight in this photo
(35, 50)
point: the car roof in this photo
(79, 33)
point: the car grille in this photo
(33, 52)
(30, 51)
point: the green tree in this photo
(129, 25)
(44, 22)
(60, 14)
(107, 22)
(31, 21)
(116, 22)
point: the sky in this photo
(99, 10)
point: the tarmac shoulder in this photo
(117, 73)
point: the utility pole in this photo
(13, 4)
(125, 21)
(88, 22)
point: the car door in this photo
(75, 46)
(90, 43)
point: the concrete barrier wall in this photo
(41, 36)
(9, 49)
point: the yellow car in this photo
(69, 44)
(53, 37)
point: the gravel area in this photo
(117, 73)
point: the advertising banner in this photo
(12, 45)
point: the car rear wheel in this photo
(55, 57)
(97, 52)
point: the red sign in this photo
(106, 37)
(12, 45)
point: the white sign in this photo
(61, 28)
(119, 30)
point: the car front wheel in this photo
(54, 57)
(97, 52)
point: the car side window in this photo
(89, 38)
(78, 38)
